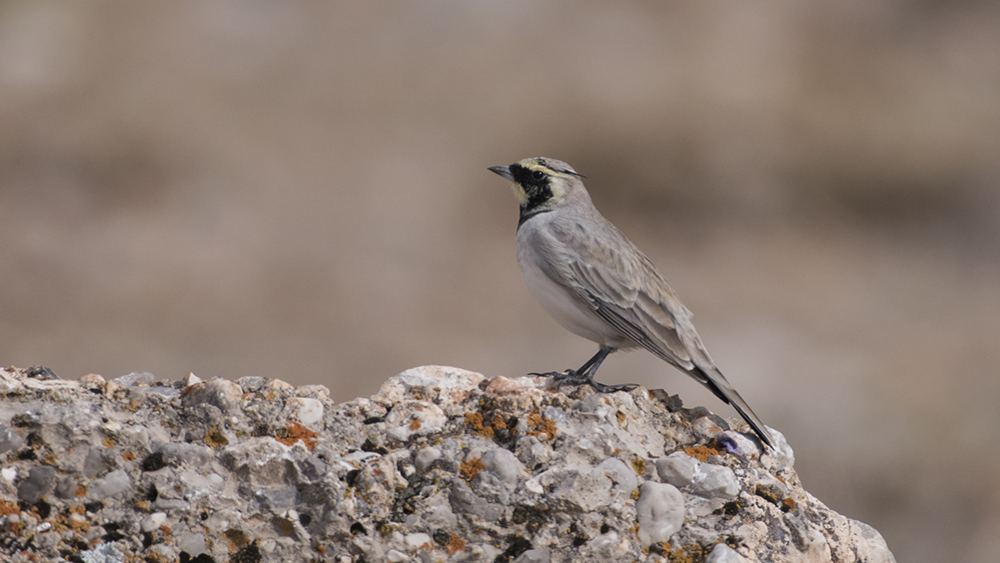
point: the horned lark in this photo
(598, 285)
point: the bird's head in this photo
(541, 183)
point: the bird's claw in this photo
(572, 377)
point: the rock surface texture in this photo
(441, 464)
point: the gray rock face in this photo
(441, 465)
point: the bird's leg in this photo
(586, 374)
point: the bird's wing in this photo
(607, 271)
(627, 291)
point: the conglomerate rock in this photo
(441, 465)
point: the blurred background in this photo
(299, 190)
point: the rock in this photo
(504, 464)
(722, 553)
(9, 440)
(153, 521)
(135, 378)
(703, 479)
(40, 480)
(441, 464)
(220, 393)
(424, 457)
(113, 484)
(660, 510)
(305, 410)
(623, 474)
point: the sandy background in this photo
(299, 190)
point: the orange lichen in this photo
(470, 468)
(621, 417)
(108, 442)
(475, 420)
(295, 432)
(415, 424)
(701, 453)
(128, 456)
(788, 504)
(80, 491)
(455, 544)
(541, 425)
(498, 422)
(7, 508)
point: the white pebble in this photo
(153, 521)
(661, 512)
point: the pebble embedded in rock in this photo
(624, 475)
(660, 511)
(153, 521)
(722, 553)
(112, 484)
(135, 378)
(9, 440)
(537, 555)
(38, 483)
(425, 457)
(504, 464)
(703, 479)
(307, 411)
(220, 393)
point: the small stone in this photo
(66, 489)
(623, 474)
(415, 541)
(93, 463)
(9, 440)
(716, 481)
(424, 457)
(9, 474)
(660, 511)
(678, 469)
(38, 483)
(396, 556)
(135, 378)
(321, 392)
(722, 553)
(192, 544)
(112, 484)
(251, 384)
(153, 521)
(504, 464)
(703, 479)
(92, 380)
(307, 411)
(190, 379)
(220, 393)
(537, 555)
(279, 386)
(192, 454)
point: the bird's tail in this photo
(719, 385)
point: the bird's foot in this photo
(572, 377)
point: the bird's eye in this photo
(538, 174)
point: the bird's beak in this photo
(503, 171)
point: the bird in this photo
(598, 285)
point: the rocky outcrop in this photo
(441, 464)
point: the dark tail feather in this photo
(718, 384)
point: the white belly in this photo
(563, 305)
